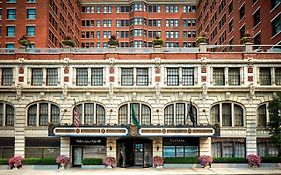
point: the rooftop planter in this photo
(113, 42)
(247, 38)
(68, 42)
(201, 39)
(157, 42)
(24, 42)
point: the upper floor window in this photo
(37, 78)
(276, 25)
(42, 113)
(262, 115)
(137, 76)
(96, 76)
(10, 46)
(11, 13)
(30, 1)
(7, 76)
(179, 114)
(31, 13)
(172, 9)
(265, 76)
(278, 75)
(141, 111)
(220, 77)
(183, 76)
(0, 14)
(10, 31)
(275, 3)
(227, 114)
(257, 17)
(7, 115)
(11, 1)
(242, 12)
(30, 31)
(189, 8)
(90, 114)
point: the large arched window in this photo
(42, 113)
(90, 114)
(179, 114)
(7, 115)
(227, 114)
(141, 111)
(262, 115)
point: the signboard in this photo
(88, 141)
(170, 141)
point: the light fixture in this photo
(110, 144)
(158, 144)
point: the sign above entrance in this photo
(87, 141)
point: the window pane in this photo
(88, 114)
(190, 151)
(262, 115)
(142, 76)
(265, 76)
(97, 76)
(32, 111)
(216, 149)
(188, 76)
(43, 114)
(146, 115)
(127, 76)
(100, 115)
(123, 114)
(31, 13)
(239, 150)
(215, 115)
(261, 149)
(218, 76)
(169, 115)
(168, 151)
(1, 113)
(180, 114)
(238, 115)
(37, 77)
(52, 76)
(226, 114)
(172, 76)
(81, 76)
(278, 76)
(10, 119)
(55, 114)
(227, 149)
(30, 31)
(7, 76)
(234, 76)
(179, 151)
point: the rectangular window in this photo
(11, 1)
(276, 25)
(226, 114)
(81, 76)
(7, 76)
(234, 76)
(10, 31)
(172, 76)
(278, 76)
(52, 77)
(275, 3)
(265, 76)
(30, 1)
(11, 13)
(257, 17)
(227, 149)
(0, 14)
(10, 46)
(97, 76)
(31, 13)
(43, 114)
(242, 12)
(218, 76)
(127, 76)
(188, 76)
(142, 76)
(37, 77)
(30, 31)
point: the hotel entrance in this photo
(132, 152)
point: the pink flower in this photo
(205, 160)
(110, 161)
(158, 161)
(15, 161)
(254, 160)
(62, 159)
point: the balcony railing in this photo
(201, 49)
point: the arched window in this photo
(42, 113)
(179, 114)
(141, 111)
(227, 114)
(90, 114)
(7, 115)
(262, 115)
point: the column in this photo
(19, 130)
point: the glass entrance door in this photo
(147, 155)
(77, 156)
(138, 151)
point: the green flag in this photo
(134, 118)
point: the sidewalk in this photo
(141, 171)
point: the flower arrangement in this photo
(15, 162)
(113, 41)
(254, 160)
(24, 41)
(205, 160)
(67, 41)
(158, 161)
(110, 162)
(62, 160)
(157, 41)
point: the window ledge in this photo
(275, 35)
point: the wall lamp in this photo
(110, 144)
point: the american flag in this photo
(76, 114)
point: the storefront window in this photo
(169, 151)
(191, 151)
(95, 151)
(179, 151)
(228, 147)
(7, 146)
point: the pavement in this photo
(142, 171)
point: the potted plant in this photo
(62, 161)
(157, 42)
(68, 42)
(201, 39)
(113, 42)
(254, 160)
(110, 162)
(247, 38)
(205, 161)
(158, 161)
(15, 162)
(24, 42)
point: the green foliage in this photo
(3, 161)
(271, 159)
(182, 160)
(39, 161)
(69, 43)
(274, 108)
(201, 39)
(158, 42)
(92, 161)
(230, 160)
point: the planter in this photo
(109, 166)
(159, 167)
(93, 166)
